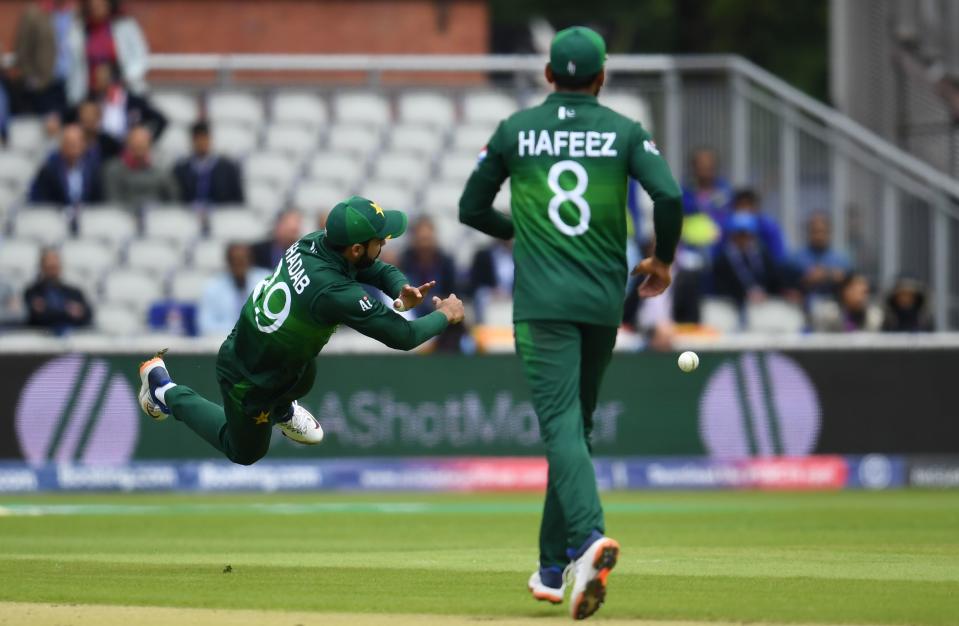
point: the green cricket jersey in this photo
(291, 315)
(568, 161)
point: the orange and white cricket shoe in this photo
(153, 374)
(590, 571)
(543, 592)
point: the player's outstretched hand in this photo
(411, 297)
(451, 307)
(657, 277)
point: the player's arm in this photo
(476, 203)
(648, 166)
(385, 277)
(349, 304)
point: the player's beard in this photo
(366, 260)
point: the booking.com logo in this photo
(761, 404)
(73, 410)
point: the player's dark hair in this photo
(340, 249)
(200, 128)
(571, 83)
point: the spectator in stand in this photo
(227, 292)
(119, 109)
(906, 308)
(851, 312)
(132, 180)
(104, 35)
(769, 232)
(819, 267)
(706, 192)
(102, 146)
(744, 270)
(52, 304)
(423, 261)
(41, 58)
(491, 275)
(287, 230)
(70, 176)
(205, 178)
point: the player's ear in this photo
(549, 74)
(600, 81)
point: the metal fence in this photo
(890, 211)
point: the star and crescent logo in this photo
(377, 208)
(262, 418)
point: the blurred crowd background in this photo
(131, 207)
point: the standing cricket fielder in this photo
(269, 360)
(568, 161)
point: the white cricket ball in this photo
(688, 361)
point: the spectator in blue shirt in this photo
(705, 192)
(227, 292)
(767, 229)
(821, 269)
(743, 269)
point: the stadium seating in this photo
(410, 149)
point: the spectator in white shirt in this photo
(226, 293)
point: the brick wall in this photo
(300, 26)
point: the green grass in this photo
(871, 558)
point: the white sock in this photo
(160, 393)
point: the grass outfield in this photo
(812, 558)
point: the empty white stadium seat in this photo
(315, 197)
(188, 285)
(131, 288)
(19, 256)
(27, 134)
(88, 258)
(403, 168)
(442, 198)
(177, 224)
(457, 167)
(429, 108)
(209, 255)
(631, 105)
(472, 138)
(422, 140)
(361, 107)
(179, 107)
(775, 316)
(264, 198)
(300, 108)
(720, 314)
(237, 225)
(236, 108)
(16, 170)
(291, 139)
(154, 256)
(270, 167)
(173, 145)
(109, 224)
(233, 140)
(44, 225)
(488, 107)
(342, 168)
(388, 195)
(353, 139)
(119, 320)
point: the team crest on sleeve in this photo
(482, 155)
(650, 146)
(365, 304)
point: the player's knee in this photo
(247, 457)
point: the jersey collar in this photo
(570, 96)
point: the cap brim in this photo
(394, 226)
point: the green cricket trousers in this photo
(242, 427)
(564, 364)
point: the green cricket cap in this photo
(357, 220)
(577, 52)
